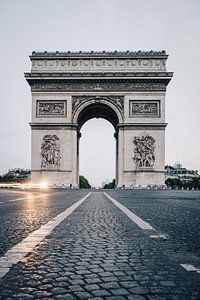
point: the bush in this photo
(110, 185)
(183, 183)
(83, 183)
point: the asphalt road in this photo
(96, 251)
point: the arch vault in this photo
(125, 88)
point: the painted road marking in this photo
(25, 198)
(144, 225)
(28, 197)
(5, 192)
(137, 220)
(158, 236)
(17, 252)
(190, 268)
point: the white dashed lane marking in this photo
(146, 226)
(137, 220)
(24, 198)
(17, 252)
(158, 236)
(28, 197)
(190, 268)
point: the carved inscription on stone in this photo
(50, 151)
(144, 152)
(116, 100)
(51, 108)
(144, 108)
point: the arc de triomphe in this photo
(125, 88)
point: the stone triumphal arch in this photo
(125, 88)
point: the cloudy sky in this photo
(173, 25)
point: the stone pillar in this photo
(54, 158)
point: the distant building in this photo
(16, 174)
(178, 171)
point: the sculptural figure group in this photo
(144, 151)
(50, 151)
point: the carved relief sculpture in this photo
(50, 151)
(50, 108)
(144, 108)
(116, 100)
(144, 155)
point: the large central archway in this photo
(97, 107)
(88, 107)
(97, 152)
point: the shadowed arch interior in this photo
(97, 110)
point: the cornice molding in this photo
(100, 54)
(142, 126)
(55, 85)
(50, 126)
(98, 74)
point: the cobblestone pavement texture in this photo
(99, 253)
(176, 213)
(19, 218)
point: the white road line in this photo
(5, 192)
(26, 198)
(158, 236)
(17, 252)
(137, 220)
(189, 268)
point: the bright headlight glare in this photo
(44, 185)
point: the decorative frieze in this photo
(144, 109)
(50, 151)
(103, 64)
(144, 152)
(116, 100)
(98, 85)
(99, 61)
(51, 108)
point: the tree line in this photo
(174, 183)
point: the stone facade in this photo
(126, 88)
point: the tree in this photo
(173, 182)
(83, 183)
(110, 185)
(193, 183)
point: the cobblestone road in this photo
(99, 253)
(19, 217)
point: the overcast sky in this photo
(172, 25)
